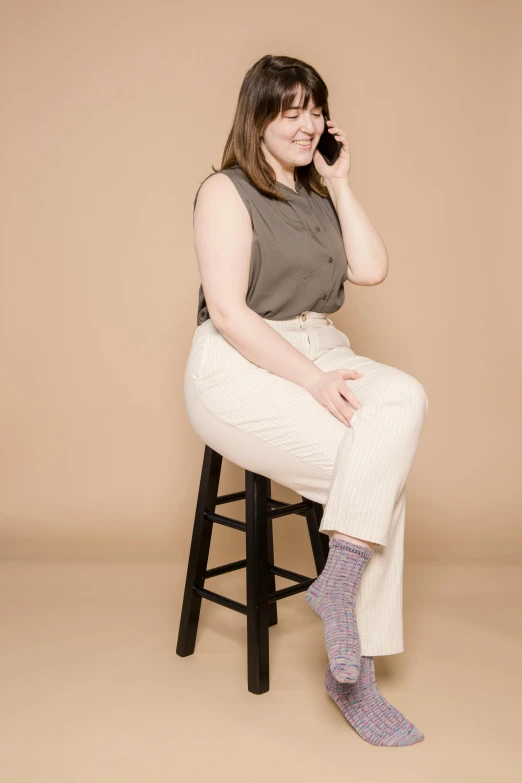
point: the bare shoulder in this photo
(221, 217)
(218, 190)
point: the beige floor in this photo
(92, 689)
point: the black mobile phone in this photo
(328, 145)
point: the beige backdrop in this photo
(113, 115)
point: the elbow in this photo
(222, 316)
(214, 314)
(367, 280)
(218, 319)
(373, 274)
(217, 312)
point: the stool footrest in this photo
(303, 583)
(217, 598)
(293, 575)
(211, 516)
(221, 599)
(279, 509)
(273, 569)
(225, 569)
(291, 508)
(231, 497)
(286, 591)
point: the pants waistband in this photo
(298, 322)
(310, 317)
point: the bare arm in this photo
(365, 249)
(223, 241)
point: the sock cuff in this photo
(349, 546)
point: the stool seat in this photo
(261, 606)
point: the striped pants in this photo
(269, 425)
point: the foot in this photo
(368, 712)
(332, 597)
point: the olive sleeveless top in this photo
(298, 261)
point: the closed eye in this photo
(297, 115)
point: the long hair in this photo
(270, 87)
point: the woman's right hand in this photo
(330, 390)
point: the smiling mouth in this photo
(304, 144)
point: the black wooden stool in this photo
(261, 606)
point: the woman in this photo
(275, 387)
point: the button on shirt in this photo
(298, 261)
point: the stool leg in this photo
(320, 541)
(257, 582)
(272, 608)
(199, 551)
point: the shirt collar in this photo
(298, 187)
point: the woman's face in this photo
(283, 138)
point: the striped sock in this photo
(368, 712)
(332, 597)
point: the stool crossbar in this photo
(261, 606)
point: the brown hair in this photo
(270, 87)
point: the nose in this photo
(307, 126)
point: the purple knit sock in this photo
(332, 597)
(368, 712)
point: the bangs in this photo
(290, 93)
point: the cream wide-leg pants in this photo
(267, 424)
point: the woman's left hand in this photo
(341, 167)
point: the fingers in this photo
(350, 396)
(345, 390)
(336, 397)
(339, 414)
(340, 410)
(338, 406)
(335, 130)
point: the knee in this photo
(419, 393)
(410, 391)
